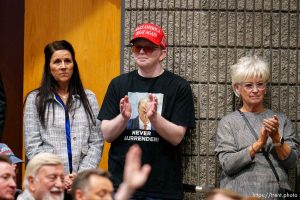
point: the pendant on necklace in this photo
(64, 96)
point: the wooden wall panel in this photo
(11, 69)
(92, 26)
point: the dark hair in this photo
(81, 181)
(4, 158)
(49, 84)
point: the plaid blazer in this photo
(86, 139)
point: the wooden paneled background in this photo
(11, 69)
(92, 26)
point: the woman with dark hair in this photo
(59, 116)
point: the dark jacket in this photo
(135, 124)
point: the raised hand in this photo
(125, 107)
(152, 106)
(135, 175)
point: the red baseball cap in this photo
(151, 32)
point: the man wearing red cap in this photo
(170, 111)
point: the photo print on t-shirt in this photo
(139, 125)
(139, 108)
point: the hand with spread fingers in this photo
(125, 107)
(135, 174)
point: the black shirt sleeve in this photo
(183, 110)
(110, 105)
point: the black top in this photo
(175, 103)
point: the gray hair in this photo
(249, 67)
(37, 162)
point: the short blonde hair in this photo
(249, 67)
(37, 162)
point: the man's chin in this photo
(54, 196)
(10, 196)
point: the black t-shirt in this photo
(175, 103)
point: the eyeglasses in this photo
(250, 86)
(147, 49)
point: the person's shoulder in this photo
(89, 92)
(32, 94)
(176, 77)
(25, 195)
(90, 95)
(173, 75)
(231, 117)
(125, 75)
(122, 78)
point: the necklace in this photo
(64, 96)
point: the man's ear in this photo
(31, 186)
(79, 195)
(163, 54)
